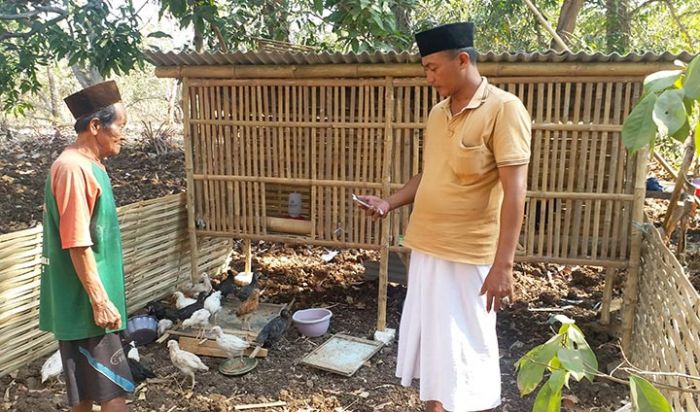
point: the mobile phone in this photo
(360, 201)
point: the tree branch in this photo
(641, 6)
(679, 23)
(26, 35)
(35, 12)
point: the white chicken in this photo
(163, 325)
(181, 300)
(200, 319)
(213, 304)
(232, 345)
(52, 367)
(187, 362)
(133, 352)
(194, 289)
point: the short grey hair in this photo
(469, 50)
(106, 116)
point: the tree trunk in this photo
(173, 89)
(86, 77)
(276, 17)
(198, 40)
(53, 96)
(567, 21)
(402, 16)
(617, 25)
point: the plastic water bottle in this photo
(294, 205)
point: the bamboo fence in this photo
(252, 142)
(666, 334)
(156, 258)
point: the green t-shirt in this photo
(79, 211)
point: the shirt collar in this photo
(479, 97)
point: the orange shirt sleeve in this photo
(76, 191)
(512, 135)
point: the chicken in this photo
(247, 308)
(52, 367)
(227, 286)
(199, 318)
(139, 372)
(164, 325)
(232, 345)
(181, 300)
(187, 362)
(244, 293)
(187, 311)
(275, 329)
(132, 352)
(161, 312)
(213, 303)
(193, 289)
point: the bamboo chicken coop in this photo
(261, 125)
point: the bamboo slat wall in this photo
(666, 334)
(254, 141)
(156, 259)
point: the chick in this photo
(187, 362)
(193, 289)
(275, 329)
(227, 286)
(164, 325)
(181, 300)
(52, 367)
(187, 311)
(213, 304)
(232, 345)
(199, 318)
(157, 309)
(139, 372)
(247, 308)
(244, 292)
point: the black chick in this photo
(139, 372)
(157, 309)
(187, 311)
(228, 286)
(244, 293)
(274, 330)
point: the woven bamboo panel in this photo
(156, 259)
(256, 141)
(666, 335)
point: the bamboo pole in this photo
(189, 172)
(248, 255)
(386, 191)
(632, 287)
(492, 69)
(547, 26)
(688, 156)
(610, 275)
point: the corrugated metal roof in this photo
(161, 59)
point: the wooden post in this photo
(547, 26)
(386, 191)
(669, 223)
(248, 255)
(632, 285)
(610, 275)
(189, 172)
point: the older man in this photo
(468, 209)
(82, 283)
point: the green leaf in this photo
(669, 112)
(590, 362)
(639, 128)
(318, 6)
(532, 365)
(572, 361)
(563, 319)
(682, 133)
(557, 379)
(662, 80)
(160, 35)
(547, 400)
(692, 79)
(646, 398)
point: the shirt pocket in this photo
(468, 162)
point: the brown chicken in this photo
(247, 308)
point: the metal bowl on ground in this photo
(312, 322)
(143, 329)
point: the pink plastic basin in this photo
(312, 322)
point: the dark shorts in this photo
(95, 369)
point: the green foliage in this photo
(667, 108)
(646, 398)
(566, 355)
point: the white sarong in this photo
(446, 337)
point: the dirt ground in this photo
(299, 273)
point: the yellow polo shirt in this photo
(457, 207)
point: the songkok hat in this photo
(447, 37)
(92, 99)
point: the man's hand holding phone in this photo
(375, 206)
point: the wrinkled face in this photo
(110, 138)
(443, 70)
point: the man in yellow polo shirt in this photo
(468, 209)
